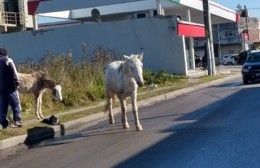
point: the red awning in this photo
(33, 5)
(188, 29)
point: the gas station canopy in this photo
(76, 9)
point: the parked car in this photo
(251, 67)
(229, 59)
(242, 56)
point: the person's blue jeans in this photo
(14, 102)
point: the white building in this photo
(124, 25)
(14, 16)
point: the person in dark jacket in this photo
(3, 104)
(10, 86)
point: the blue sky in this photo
(232, 4)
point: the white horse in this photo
(36, 83)
(122, 78)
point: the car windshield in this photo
(254, 57)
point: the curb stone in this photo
(97, 117)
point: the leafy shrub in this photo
(161, 77)
(81, 83)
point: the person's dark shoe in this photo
(4, 124)
(18, 123)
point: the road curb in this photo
(92, 119)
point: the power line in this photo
(254, 8)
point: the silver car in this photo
(229, 59)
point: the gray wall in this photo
(157, 37)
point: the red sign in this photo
(245, 36)
(33, 5)
(191, 30)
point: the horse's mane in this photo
(44, 76)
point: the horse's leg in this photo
(135, 111)
(123, 113)
(109, 106)
(37, 106)
(40, 106)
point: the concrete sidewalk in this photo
(97, 117)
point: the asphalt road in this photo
(216, 127)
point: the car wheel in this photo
(230, 63)
(245, 81)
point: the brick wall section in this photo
(253, 27)
(254, 35)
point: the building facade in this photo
(14, 16)
(116, 25)
(250, 31)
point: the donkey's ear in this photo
(59, 82)
(126, 57)
(140, 56)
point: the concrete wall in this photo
(230, 49)
(157, 37)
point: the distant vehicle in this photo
(230, 59)
(242, 56)
(251, 67)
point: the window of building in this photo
(141, 15)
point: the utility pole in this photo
(209, 39)
(245, 14)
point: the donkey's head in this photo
(47, 82)
(56, 92)
(135, 67)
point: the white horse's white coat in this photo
(122, 78)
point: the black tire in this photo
(245, 81)
(197, 65)
(203, 66)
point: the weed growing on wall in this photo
(82, 83)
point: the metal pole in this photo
(209, 38)
(219, 49)
(247, 30)
(246, 15)
(191, 45)
(35, 23)
(159, 7)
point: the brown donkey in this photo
(36, 83)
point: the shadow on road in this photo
(223, 134)
(219, 138)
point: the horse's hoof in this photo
(139, 128)
(126, 126)
(111, 121)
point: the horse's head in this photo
(56, 92)
(136, 67)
